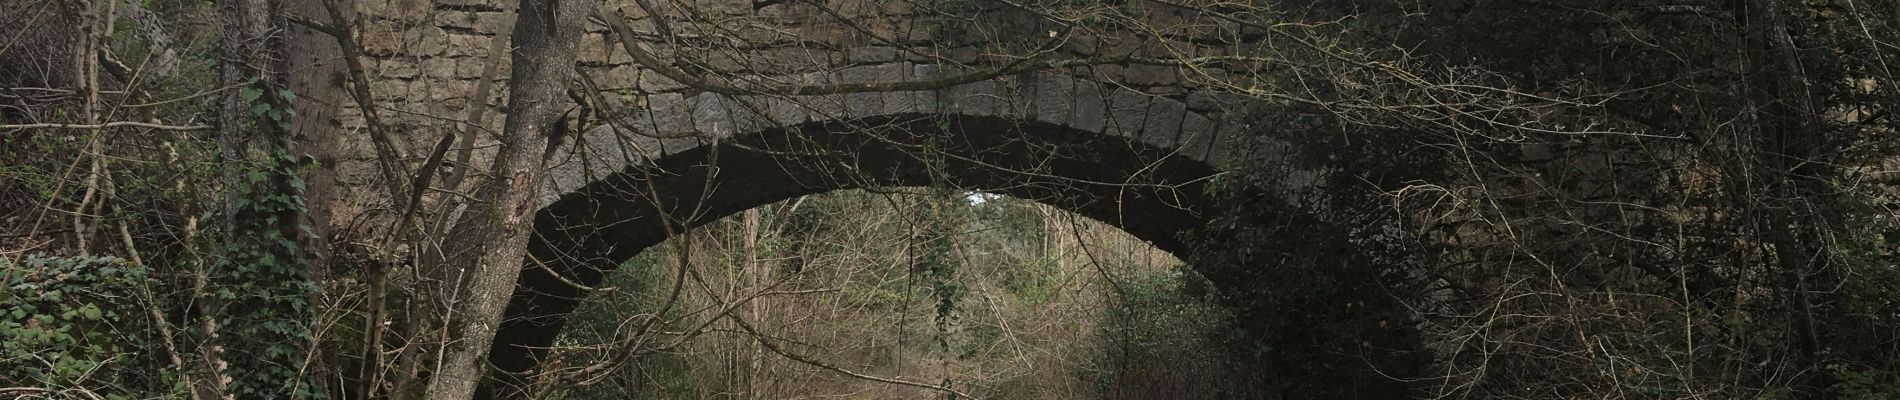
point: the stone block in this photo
(895, 102)
(410, 11)
(1091, 108)
(1127, 109)
(616, 77)
(587, 157)
(975, 98)
(1165, 91)
(459, 4)
(389, 91)
(593, 49)
(781, 111)
(748, 113)
(438, 67)
(1202, 100)
(721, 7)
(617, 55)
(786, 60)
(464, 45)
(654, 82)
(711, 116)
(426, 41)
(1217, 153)
(1163, 122)
(1197, 135)
(394, 68)
(380, 41)
(470, 68)
(1013, 96)
(924, 101)
(862, 104)
(871, 55)
(591, 56)
(456, 21)
(668, 115)
(823, 107)
(897, 8)
(1055, 98)
(493, 22)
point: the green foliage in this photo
(262, 285)
(74, 322)
(936, 260)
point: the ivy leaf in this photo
(251, 94)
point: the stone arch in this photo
(1133, 160)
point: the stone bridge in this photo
(1132, 160)
(1126, 144)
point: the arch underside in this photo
(1131, 160)
(1149, 192)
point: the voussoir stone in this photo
(1163, 122)
(1127, 110)
(1091, 108)
(1055, 98)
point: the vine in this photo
(67, 323)
(264, 283)
(936, 261)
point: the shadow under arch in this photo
(1151, 192)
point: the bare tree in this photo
(488, 245)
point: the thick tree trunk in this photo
(489, 243)
(264, 316)
(318, 75)
(317, 130)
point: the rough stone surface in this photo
(667, 116)
(1163, 122)
(1055, 98)
(674, 122)
(977, 98)
(1127, 110)
(1197, 135)
(1091, 108)
(1090, 124)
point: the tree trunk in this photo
(1796, 204)
(317, 132)
(265, 312)
(249, 53)
(489, 243)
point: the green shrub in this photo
(76, 323)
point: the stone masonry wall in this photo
(426, 57)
